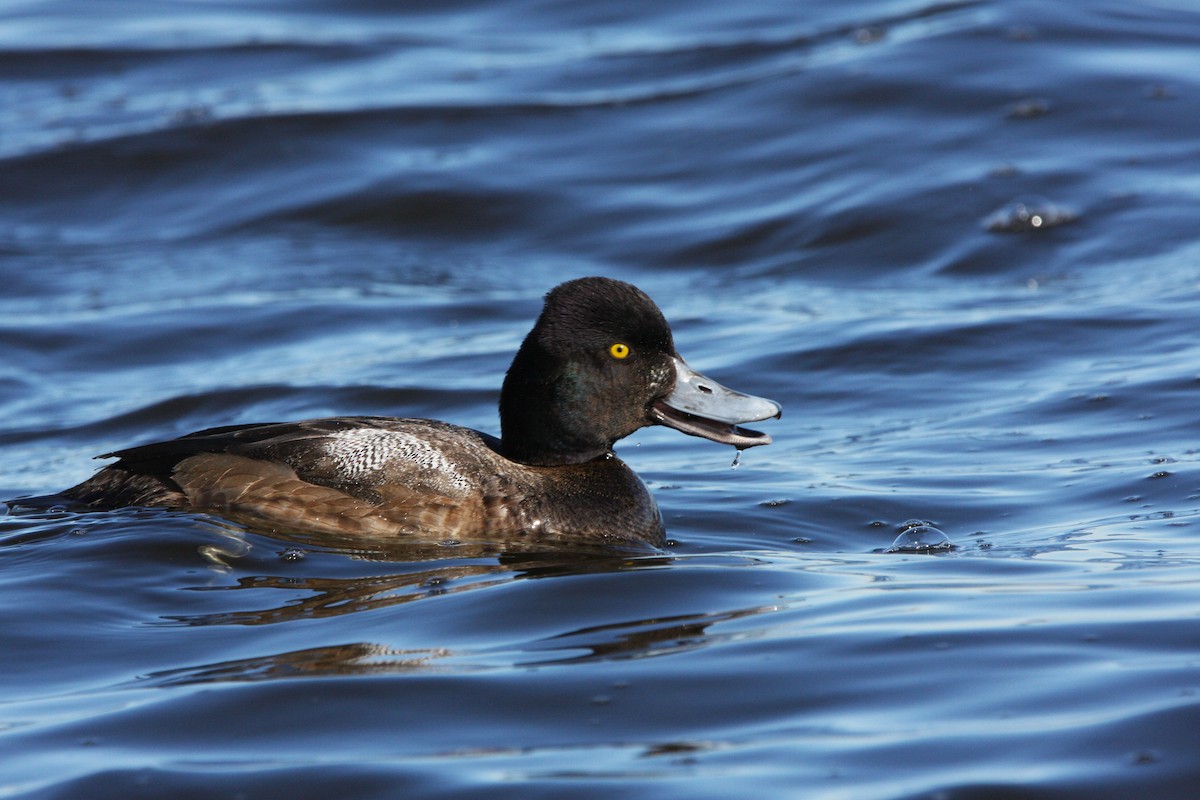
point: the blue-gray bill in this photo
(700, 406)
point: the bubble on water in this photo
(917, 536)
(293, 554)
(1027, 215)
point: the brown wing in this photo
(373, 475)
(272, 493)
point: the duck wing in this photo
(344, 474)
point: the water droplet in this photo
(293, 554)
(737, 460)
(1029, 215)
(920, 538)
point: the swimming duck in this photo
(599, 364)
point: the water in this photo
(218, 213)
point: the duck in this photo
(599, 364)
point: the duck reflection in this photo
(622, 641)
(304, 578)
(346, 659)
(331, 597)
(640, 639)
(418, 571)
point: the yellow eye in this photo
(619, 350)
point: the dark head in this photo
(600, 363)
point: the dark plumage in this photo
(599, 363)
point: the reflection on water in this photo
(616, 641)
(348, 659)
(313, 597)
(640, 639)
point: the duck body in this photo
(381, 477)
(599, 364)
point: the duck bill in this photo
(700, 406)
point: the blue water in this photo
(957, 241)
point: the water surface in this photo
(216, 213)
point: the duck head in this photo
(599, 364)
